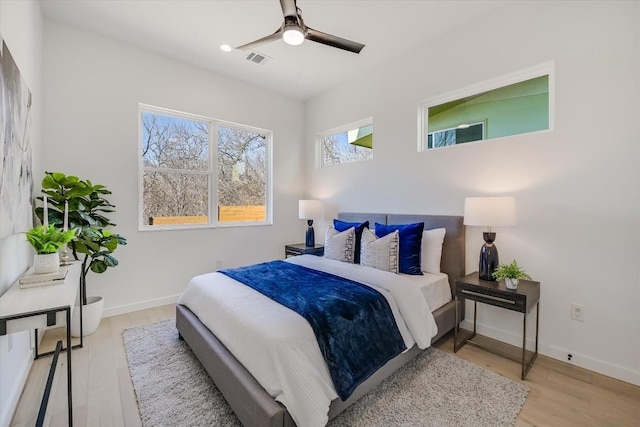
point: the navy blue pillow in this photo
(410, 245)
(343, 226)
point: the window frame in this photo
(337, 130)
(212, 172)
(540, 70)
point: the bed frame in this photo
(251, 403)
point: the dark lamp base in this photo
(488, 258)
(309, 240)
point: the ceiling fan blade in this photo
(334, 41)
(289, 8)
(275, 36)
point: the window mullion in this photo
(213, 176)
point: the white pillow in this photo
(340, 246)
(380, 253)
(432, 249)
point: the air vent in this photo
(258, 58)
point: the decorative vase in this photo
(511, 283)
(46, 263)
(91, 316)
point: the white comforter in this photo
(278, 346)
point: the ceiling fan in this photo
(293, 31)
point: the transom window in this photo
(458, 135)
(510, 105)
(196, 171)
(349, 143)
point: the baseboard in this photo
(592, 364)
(558, 353)
(7, 412)
(129, 308)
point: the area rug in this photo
(435, 389)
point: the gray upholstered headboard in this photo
(453, 249)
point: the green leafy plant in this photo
(88, 212)
(510, 271)
(47, 240)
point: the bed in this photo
(250, 401)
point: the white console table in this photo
(40, 307)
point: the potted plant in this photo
(88, 210)
(511, 273)
(46, 240)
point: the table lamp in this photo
(309, 209)
(489, 212)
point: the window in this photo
(350, 143)
(458, 135)
(510, 105)
(197, 171)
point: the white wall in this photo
(93, 86)
(21, 29)
(577, 187)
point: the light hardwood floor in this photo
(560, 394)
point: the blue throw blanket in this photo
(353, 323)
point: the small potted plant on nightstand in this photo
(511, 273)
(46, 240)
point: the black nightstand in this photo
(496, 294)
(302, 249)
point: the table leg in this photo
(69, 387)
(455, 327)
(475, 313)
(537, 323)
(524, 342)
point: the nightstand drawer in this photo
(495, 293)
(517, 304)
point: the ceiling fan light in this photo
(293, 35)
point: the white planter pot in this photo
(46, 263)
(91, 316)
(511, 283)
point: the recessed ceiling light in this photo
(225, 48)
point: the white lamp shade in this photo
(309, 209)
(490, 211)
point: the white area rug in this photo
(435, 389)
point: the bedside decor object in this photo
(511, 274)
(309, 210)
(46, 240)
(87, 210)
(489, 212)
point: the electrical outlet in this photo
(577, 312)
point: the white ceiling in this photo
(192, 31)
